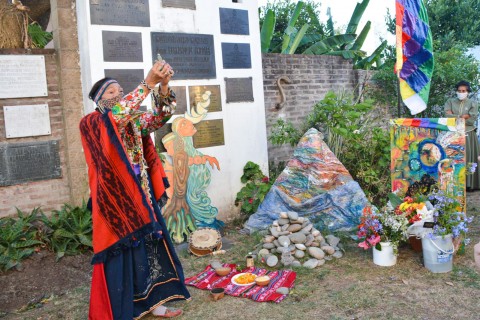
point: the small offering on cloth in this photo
(208, 279)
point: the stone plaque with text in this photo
(27, 121)
(184, 4)
(236, 56)
(209, 134)
(23, 162)
(129, 79)
(234, 21)
(120, 12)
(122, 46)
(192, 56)
(22, 76)
(198, 104)
(239, 89)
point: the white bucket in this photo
(438, 253)
(386, 257)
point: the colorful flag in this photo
(414, 65)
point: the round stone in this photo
(283, 221)
(315, 233)
(272, 261)
(268, 246)
(297, 237)
(285, 227)
(292, 215)
(321, 262)
(337, 254)
(274, 232)
(268, 239)
(315, 252)
(332, 240)
(294, 227)
(283, 215)
(328, 249)
(282, 290)
(300, 246)
(284, 241)
(299, 254)
(296, 263)
(263, 253)
(310, 264)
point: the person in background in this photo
(135, 267)
(463, 107)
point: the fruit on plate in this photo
(245, 278)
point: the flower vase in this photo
(438, 253)
(415, 243)
(385, 257)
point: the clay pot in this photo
(217, 293)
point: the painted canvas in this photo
(432, 148)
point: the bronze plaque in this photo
(184, 4)
(198, 104)
(33, 161)
(122, 46)
(181, 96)
(239, 89)
(120, 12)
(236, 56)
(209, 134)
(234, 21)
(192, 56)
(129, 79)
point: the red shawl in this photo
(121, 211)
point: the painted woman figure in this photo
(463, 107)
(177, 214)
(136, 269)
(199, 178)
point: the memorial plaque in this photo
(234, 21)
(192, 56)
(181, 95)
(27, 121)
(184, 4)
(23, 162)
(129, 79)
(22, 76)
(120, 12)
(198, 105)
(159, 134)
(236, 56)
(239, 89)
(122, 46)
(209, 134)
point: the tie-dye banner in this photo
(445, 124)
(414, 66)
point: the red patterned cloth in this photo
(208, 279)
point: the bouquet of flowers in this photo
(381, 226)
(448, 217)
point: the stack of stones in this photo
(297, 243)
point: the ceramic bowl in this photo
(262, 280)
(222, 271)
(217, 293)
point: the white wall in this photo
(244, 123)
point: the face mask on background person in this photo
(462, 95)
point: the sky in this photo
(342, 10)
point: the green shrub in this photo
(256, 188)
(18, 238)
(70, 230)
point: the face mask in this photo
(462, 95)
(107, 104)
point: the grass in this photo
(349, 288)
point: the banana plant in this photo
(266, 33)
(327, 45)
(288, 45)
(375, 57)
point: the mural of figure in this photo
(189, 205)
(177, 212)
(199, 178)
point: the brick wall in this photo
(311, 78)
(47, 194)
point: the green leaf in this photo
(329, 44)
(266, 32)
(357, 16)
(39, 37)
(298, 38)
(357, 45)
(291, 27)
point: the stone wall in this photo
(47, 194)
(65, 101)
(311, 78)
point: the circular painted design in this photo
(414, 164)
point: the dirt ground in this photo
(348, 288)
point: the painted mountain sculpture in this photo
(316, 185)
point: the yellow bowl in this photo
(262, 281)
(223, 271)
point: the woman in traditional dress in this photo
(136, 269)
(463, 107)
